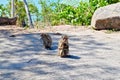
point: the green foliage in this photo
(3, 11)
(57, 13)
(112, 1)
(20, 10)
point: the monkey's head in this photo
(64, 37)
(43, 34)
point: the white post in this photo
(28, 14)
(12, 9)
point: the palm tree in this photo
(28, 14)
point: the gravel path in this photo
(94, 55)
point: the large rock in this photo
(8, 21)
(4, 21)
(107, 17)
(12, 21)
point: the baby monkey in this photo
(63, 46)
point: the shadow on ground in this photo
(19, 55)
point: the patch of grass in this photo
(109, 31)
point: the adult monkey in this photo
(63, 46)
(47, 40)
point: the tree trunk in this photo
(12, 9)
(28, 14)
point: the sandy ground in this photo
(94, 55)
